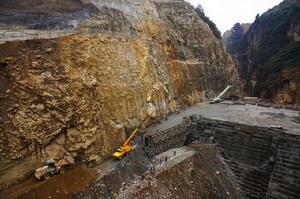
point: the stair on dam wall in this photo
(265, 161)
(285, 178)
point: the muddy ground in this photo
(60, 186)
(195, 171)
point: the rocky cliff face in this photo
(231, 36)
(268, 54)
(232, 40)
(74, 75)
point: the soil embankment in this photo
(194, 171)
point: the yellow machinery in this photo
(127, 147)
(49, 169)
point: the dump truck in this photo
(49, 169)
(127, 146)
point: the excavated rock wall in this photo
(69, 88)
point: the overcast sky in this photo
(225, 13)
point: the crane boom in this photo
(218, 99)
(134, 132)
(126, 147)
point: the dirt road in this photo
(58, 187)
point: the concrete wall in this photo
(265, 161)
(285, 177)
(160, 141)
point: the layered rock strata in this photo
(73, 78)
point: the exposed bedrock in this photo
(69, 88)
(265, 161)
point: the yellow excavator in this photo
(127, 147)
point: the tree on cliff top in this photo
(268, 47)
(200, 11)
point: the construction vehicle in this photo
(49, 169)
(127, 146)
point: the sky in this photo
(225, 13)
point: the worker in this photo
(166, 159)
(152, 168)
(174, 153)
(147, 154)
(140, 142)
(143, 138)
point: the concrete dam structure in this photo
(264, 160)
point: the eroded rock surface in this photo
(68, 88)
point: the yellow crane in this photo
(127, 147)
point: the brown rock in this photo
(75, 102)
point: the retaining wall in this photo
(161, 141)
(285, 177)
(265, 161)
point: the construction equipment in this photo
(49, 169)
(127, 146)
(219, 97)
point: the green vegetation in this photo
(267, 73)
(288, 56)
(270, 30)
(276, 49)
(267, 48)
(211, 24)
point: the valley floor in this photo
(192, 171)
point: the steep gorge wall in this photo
(267, 55)
(71, 97)
(232, 40)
